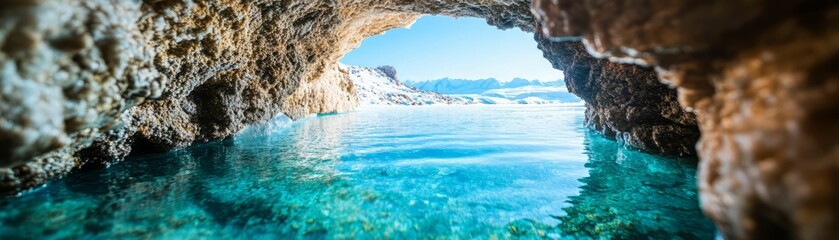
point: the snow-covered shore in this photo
(381, 86)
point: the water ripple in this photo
(453, 172)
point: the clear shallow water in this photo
(463, 172)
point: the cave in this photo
(747, 86)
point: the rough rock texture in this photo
(68, 69)
(85, 83)
(762, 77)
(626, 102)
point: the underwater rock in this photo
(620, 188)
(761, 77)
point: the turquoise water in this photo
(451, 172)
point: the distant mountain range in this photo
(382, 86)
(477, 86)
(516, 91)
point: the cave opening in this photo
(503, 132)
(465, 59)
(504, 151)
(86, 83)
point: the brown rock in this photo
(762, 77)
(625, 102)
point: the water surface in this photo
(455, 172)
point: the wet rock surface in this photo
(625, 102)
(756, 73)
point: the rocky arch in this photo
(84, 81)
(105, 78)
(156, 75)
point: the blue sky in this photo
(437, 47)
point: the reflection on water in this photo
(631, 195)
(398, 172)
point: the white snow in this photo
(375, 87)
(482, 99)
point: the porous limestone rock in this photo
(762, 77)
(68, 69)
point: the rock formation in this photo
(625, 102)
(761, 77)
(84, 83)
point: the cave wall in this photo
(625, 102)
(761, 77)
